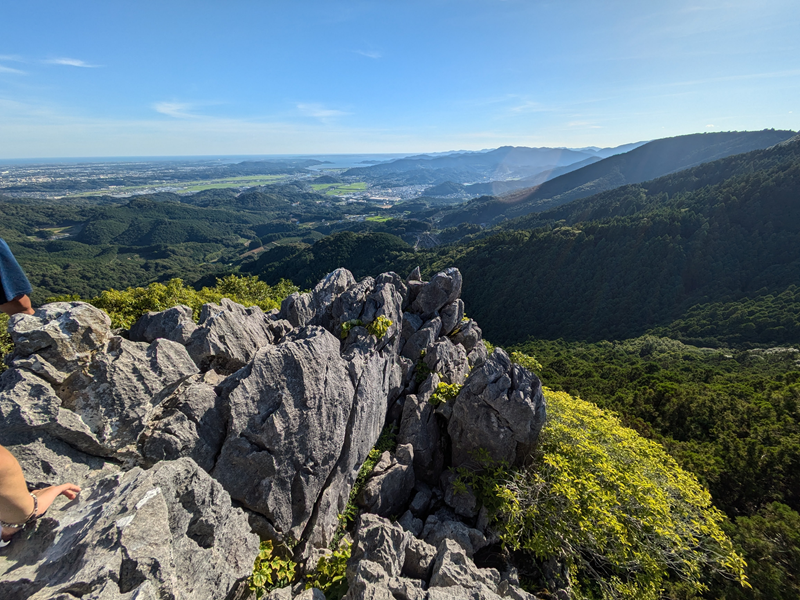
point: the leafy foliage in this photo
(6, 345)
(270, 571)
(614, 507)
(524, 360)
(329, 576)
(444, 392)
(379, 326)
(126, 306)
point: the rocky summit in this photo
(192, 441)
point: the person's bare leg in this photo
(18, 305)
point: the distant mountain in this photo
(651, 160)
(708, 255)
(507, 162)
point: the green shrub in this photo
(270, 571)
(6, 345)
(126, 306)
(527, 361)
(347, 326)
(329, 576)
(613, 506)
(379, 326)
(444, 392)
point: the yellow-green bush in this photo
(614, 506)
(270, 571)
(6, 345)
(329, 576)
(126, 306)
(444, 392)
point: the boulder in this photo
(388, 489)
(420, 428)
(314, 307)
(454, 568)
(302, 421)
(468, 334)
(442, 289)
(190, 421)
(115, 394)
(381, 542)
(500, 410)
(419, 559)
(229, 335)
(174, 324)
(169, 532)
(422, 339)
(448, 360)
(451, 316)
(64, 334)
(444, 526)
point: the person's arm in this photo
(16, 503)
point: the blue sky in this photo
(261, 77)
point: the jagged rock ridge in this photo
(173, 424)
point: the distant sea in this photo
(333, 161)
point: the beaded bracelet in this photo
(31, 518)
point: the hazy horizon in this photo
(97, 79)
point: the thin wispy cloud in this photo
(583, 124)
(178, 110)
(369, 54)
(318, 111)
(70, 62)
(10, 57)
(4, 69)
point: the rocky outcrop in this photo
(168, 425)
(169, 532)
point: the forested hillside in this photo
(654, 159)
(710, 256)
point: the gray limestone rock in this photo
(422, 500)
(367, 581)
(310, 594)
(500, 410)
(448, 360)
(403, 588)
(289, 410)
(229, 334)
(396, 281)
(442, 289)
(190, 421)
(463, 502)
(350, 303)
(169, 532)
(379, 541)
(46, 460)
(420, 428)
(468, 334)
(388, 489)
(415, 275)
(65, 334)
(419, 559)
(422, 339)
(443, 526)
(451, 316)
(454, 568)
(411, 324)
(115, 394)
(174, 324)
(411, 523)
(302, 421)
(28, 404)
(478, 356)
(314, 307)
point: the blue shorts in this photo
(13, 282)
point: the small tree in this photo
(611, 505)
